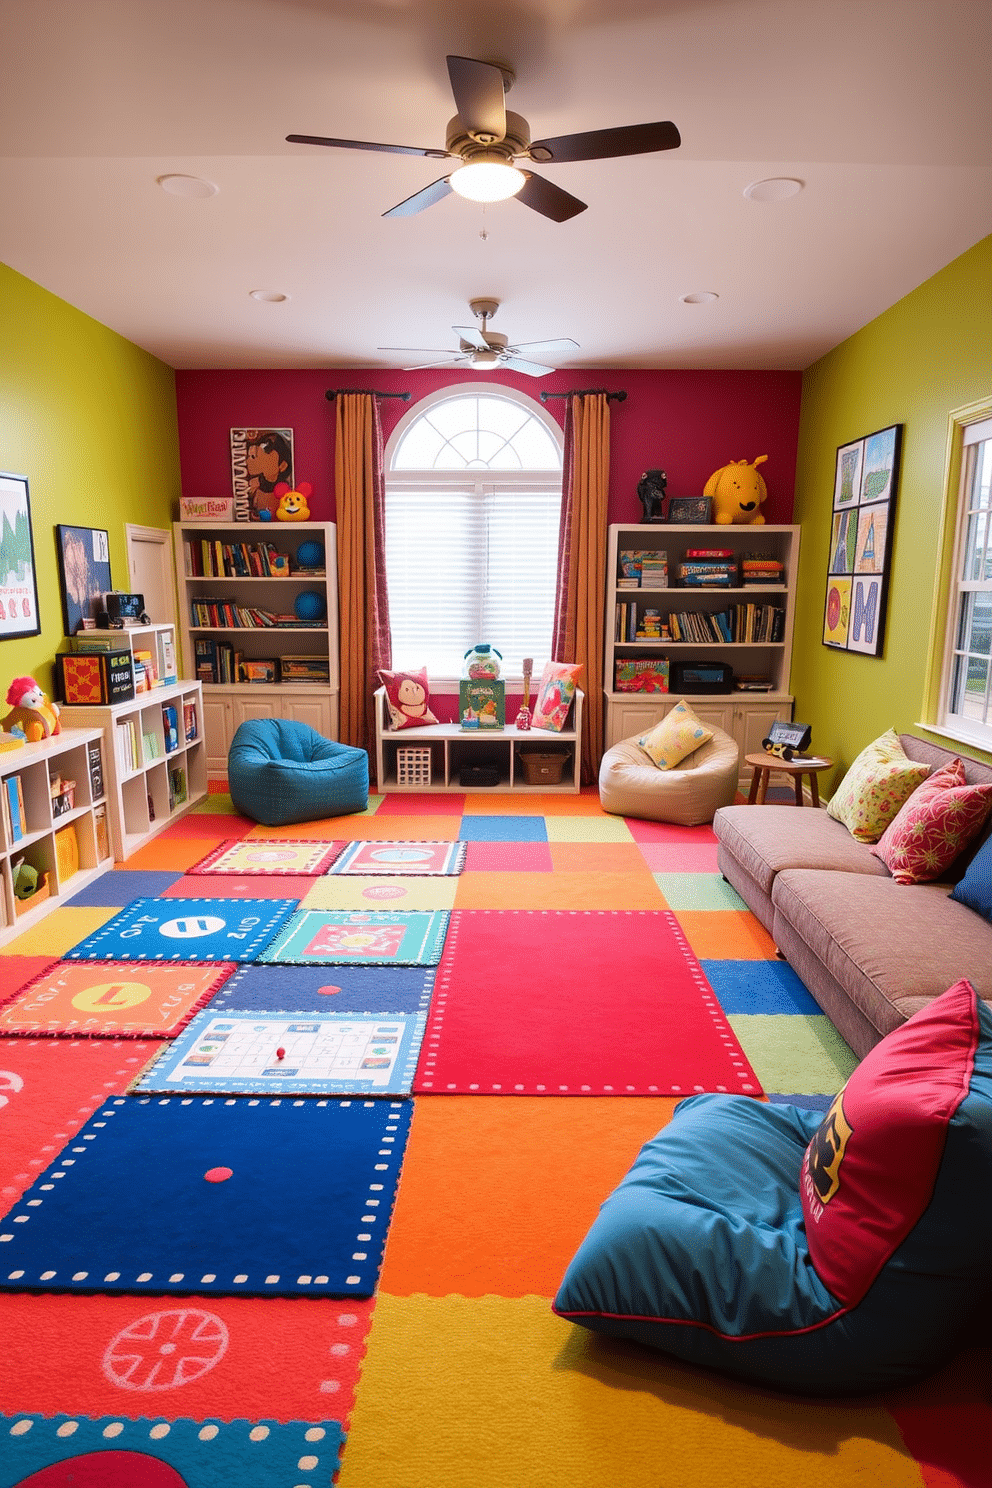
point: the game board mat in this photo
(576, 1003)
(186, 930)
(300, 856)
(265, 1053)
(441, 859)
(261, 1197)
(356, 937)
(104, 1000)
(113, 1452)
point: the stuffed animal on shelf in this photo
(737, 489)
(31, 712)
(294, 504)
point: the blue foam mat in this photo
(121, 886)
(249, 1053)
(186, 930)
(758, 987)
(109, 1451)
(127, 1206)
(324, 989)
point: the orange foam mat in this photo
(522, 803)
(727, 935)
(597, 857)
(460, 1393)
(559, 891)
(171, 854)
(371, 829)
(227, 1357)
(496, 1195)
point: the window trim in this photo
(945, 610)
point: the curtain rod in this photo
(332, 393)
(580, 392)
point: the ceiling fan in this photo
(487, 139)
(486, 350)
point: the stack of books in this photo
(311, 670)
(649, 626)
(654, 571)
(709, 568)
(761, 569)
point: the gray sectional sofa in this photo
(870, 950)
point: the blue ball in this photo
(310, 554)
(310, 606)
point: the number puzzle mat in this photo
(632, 1014)
(441, 859)
(99, 1000)
(251, 1054)
(273, 1197)
(285, 856)
(340, 937)
(113, 1452)
(308, 989)
(186, 930)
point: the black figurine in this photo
(651, 493)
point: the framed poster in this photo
(18, 581)
(261, 459)
(866, 477)
(84, 573)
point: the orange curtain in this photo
(579, 602)
(362, 596)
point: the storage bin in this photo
(413, 765)
(543, 767)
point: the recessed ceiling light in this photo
(774, 189)
(268, 296)
(700, 297)
(188, 186)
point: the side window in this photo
(966, 691)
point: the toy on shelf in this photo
(737, 489)
(523, 717)
(651, 493)
(294, 503)
(31, 713)
(483, 662)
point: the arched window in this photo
(473, 504)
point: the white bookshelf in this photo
(229, 703)
(65, 755)
(746, 716)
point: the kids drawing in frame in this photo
(866, 476)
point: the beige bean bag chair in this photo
(631, 784)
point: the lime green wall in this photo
(90, 419)
(922, 358)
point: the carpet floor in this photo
(455, 1373)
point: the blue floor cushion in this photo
(831, 1254)
(280, 772)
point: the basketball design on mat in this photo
(164, 1350)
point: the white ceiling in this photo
(880, 106)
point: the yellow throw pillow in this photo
(876, 786)
(677, 735)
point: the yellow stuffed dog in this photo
(737, 489)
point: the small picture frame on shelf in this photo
(689, 509)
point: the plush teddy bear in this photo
(31, 712)
(737, 489)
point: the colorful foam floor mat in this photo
(451, 1368)
(102, 999)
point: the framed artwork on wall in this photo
(84, 573)
(866, 479)
(689, 509)
(18, 580)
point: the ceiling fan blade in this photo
(545, 347)
(478, 89)
(435, 192)
(457, 361)
(544, 197)
(341, 144)
(532, 369)
(607, 144)
(439, 351)
(473, 336)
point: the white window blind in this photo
(968, 669)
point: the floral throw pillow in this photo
(555, 695)
(408, 698)
(936, 823)
(879, 781)
(678, 735)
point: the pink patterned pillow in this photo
(936, 823)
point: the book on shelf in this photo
(101, 833)
(151, 748)
(204, 558)
(14, 815)
(128, 745)
(641, 676)
(94, 759)
(170, 727)
(190, 723)
(177, 787)
(313, 669)
(259, 670)
(709, 552)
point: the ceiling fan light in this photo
(485, 361)
(487, 180)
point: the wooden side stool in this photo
(764, 764)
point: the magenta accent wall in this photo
(686, 423)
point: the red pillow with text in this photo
(937, 822)
(408, 698)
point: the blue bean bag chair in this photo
(281, 772)
(824, 1255)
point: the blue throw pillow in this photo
(975, 889)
